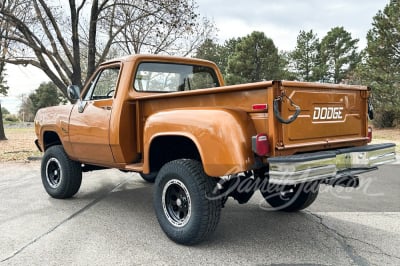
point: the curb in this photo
(34, 158)
(397, 159)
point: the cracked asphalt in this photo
(111, 221)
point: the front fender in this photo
(222, 136)
(53, 119)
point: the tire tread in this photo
(72, 173)
(211, 211)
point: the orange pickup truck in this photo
(173, 121)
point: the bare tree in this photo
(68, 41)
(4, 42)
(174, 28)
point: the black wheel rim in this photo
(53, 173)
(176, 203)
(287, 194)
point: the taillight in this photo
(369, 134)
(260, 106)
(260, 144)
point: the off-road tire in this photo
(184, 201)
(151, 178)
(61, 176)
(301, 197)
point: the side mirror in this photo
(74, 92)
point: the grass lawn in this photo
(387, 135)
(20, 144)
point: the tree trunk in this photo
(76, 78)
(94, 13)
(2, 134)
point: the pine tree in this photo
(209, 50)
(338, 54)
(305, 56)
(383, 64)
(217, 53)
(255, 59)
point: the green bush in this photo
(11, 118)
(385, 119)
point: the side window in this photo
(104, 84)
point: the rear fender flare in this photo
(221, 135)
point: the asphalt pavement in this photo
(111, 221)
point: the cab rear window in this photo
(169, 77)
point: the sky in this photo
(280, 20)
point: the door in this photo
(90, 118)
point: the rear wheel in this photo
(185, 205)
(61, 176)
(291, 198)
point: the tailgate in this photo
(331, 116)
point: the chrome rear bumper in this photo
(300, 168)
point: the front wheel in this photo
(291, 198)
(61, 176)
(185, 205)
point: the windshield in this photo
(167, 77)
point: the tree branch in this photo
(57, 31)
(80, 7)
(60, 62)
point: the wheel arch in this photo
(160, 143)
(50, 138)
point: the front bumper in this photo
(300, 168)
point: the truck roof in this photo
(158, 58)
